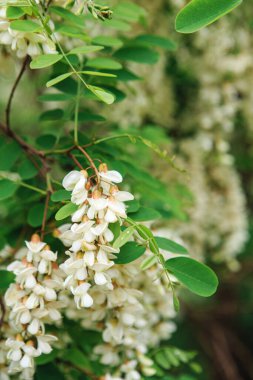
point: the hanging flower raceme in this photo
(32, 301)
(100, 203)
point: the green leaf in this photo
(26, 26)
(65, 211)
(61, 195)
(199, 13)
(72, 31)
(27, 170)
(197, 277)
(131, 251)
(46, 358)
(170, 246)
(46, 141)
(162, 360)
(107, 41)
(105, 96)
(99, 74)
(129, 11)
(87, 116)
(45, 60)
(176, 303)
(145, 214)
(35, 215)
(85, 49)
(118, 25)
(124, 237)
(115, 228)
(156, 41)
(7, 189)
(14, 12)
(2, 242)
(104, 63)
(132, 206)
(49, 371)
(6, 278)
(148, 262)
(77, 357)
(67, 15)
(56, 114)
(139, 54)
(126, 75)
(9, 154)
(58, 79)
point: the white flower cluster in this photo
(32, 301)
(89, 237)
(123, 302)
(24, 43)
(133, 317)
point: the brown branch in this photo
(28, 148)
(9, 103)
(75, 161)
(3, 310)
(90, 161)
(45, 214)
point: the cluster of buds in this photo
(32, 301)
(100, 203)
(99, 11)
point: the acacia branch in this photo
(93, 166)
(9, 103)
(45, 214)
(27, 147)
(3, 310)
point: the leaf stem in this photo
(76, 112)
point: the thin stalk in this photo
(77, 112)
(12, 93)
(93, 166)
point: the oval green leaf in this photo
(131, 251)
(45, 60)
(66, 211)
(145, 214)
(170, 245)
(105, 96)
(85, 49)
(7, 189)
(124, 237)
(139, 54)
(26, 26)
(104, 63)
(156, 41)
(58, 79)
(200, 13)
(98, 74)
(36, 214)
(6, 278)
(61, 195)
(197, 277)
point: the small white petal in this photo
(86, 301)
(110, 216)
(112, 176)
(34, 327)
(70, 180)
(124, 196)
(100, 279)
(26, 362)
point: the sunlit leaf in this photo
(199, 13)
